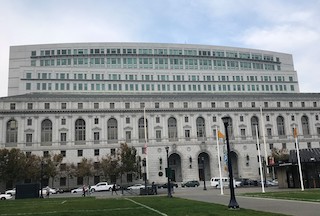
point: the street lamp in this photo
(233, 202)
(41, 178)
(168, 172)
(204, 174)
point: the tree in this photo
(123, 161)
(51, 167)
(110, 166)
(12, 165)
(33, 167)
(85, 169)
(128, 158)
(280, 155)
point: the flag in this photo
(220, 135)
(295, 133)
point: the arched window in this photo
(46, 131)
(280, 126)
(141, 129)
(112, 130)
(172, 129)
(254, 122)
(305, 125)
(80, 130)
(12, 131)
(201, 129)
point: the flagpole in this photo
(264, 141)
(145, 140)
(219, 162)
(259, 155)
(295, 134)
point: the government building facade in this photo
(85, 99)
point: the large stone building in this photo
(84, 99)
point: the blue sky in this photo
(289, 26)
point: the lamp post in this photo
(41, 178)
(168, 172)
(233, 202)
(204, 174)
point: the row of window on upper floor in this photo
(112, 129)
(158, 87)
(158, 77)
(157, 63)
(158, 105)
(162, 51)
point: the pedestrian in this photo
(154, 188)
(47, 192)
(114, 189)
(83, 190)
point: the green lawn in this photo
(312, 195)
(135, 206)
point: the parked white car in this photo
(136, 187)
(101, 186)
(79, 190)
(11, 192)
(5, 196)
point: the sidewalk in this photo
(287, 207)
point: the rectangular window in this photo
(158, 135)
(278, 104)
(128, 136)
(96, 120)
(127, 120)
(30, 106)
(127, 105)
(187, 134)
(185, 104)
(157, 105)
(63, 105)
(199, 105)
(63, 138)
(240, 104)
(29, 139)
(63, 181)
(46, 105)
(226, 104)
(63, 153)
(96, 137)
(29, 122)
(112, 106)
(213, 104)
(186, 119)
(80, 105)
(12, 106)
(157, 119)
(271, 146)
(80, 153)
(171, 105)
(96, 152)
(142, 105)
(214, 118)
(241, 118)
(63, 121)
(96, 105)
(284, 145)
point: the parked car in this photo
(248, 182)
(58, 190)
(79, 190)
(11, 192)
(101, 186)
(215, 182)
(269, 183)
(51, 190)
(5, 196)
(135, 187)
(193, 183)
(165, 185)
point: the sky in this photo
(288, 26)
